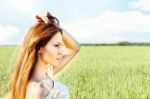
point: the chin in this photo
(57, 64)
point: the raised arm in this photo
(72, 48)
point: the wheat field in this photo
(97, 72)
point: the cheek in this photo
(50, 52)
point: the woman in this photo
(45, 51)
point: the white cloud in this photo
(110, 26)
(24, 6)
(7, 32)
(18, 8)
(143, 5)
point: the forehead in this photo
(57, 38)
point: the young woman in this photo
(45, 51)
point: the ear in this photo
(40, 50)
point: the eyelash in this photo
(56, 45)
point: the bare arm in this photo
(73, 48)
(71, 44)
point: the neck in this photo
(39, 70)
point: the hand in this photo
(46, 17)
(47, 84)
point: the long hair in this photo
(37, 36)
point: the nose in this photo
(61, 51)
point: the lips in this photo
(59, 59)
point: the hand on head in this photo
(44, 18)
(47, 18)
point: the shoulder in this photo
(33, 90)
(37, 90)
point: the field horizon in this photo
(97, 72)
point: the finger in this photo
(42, 19)
(38, 18)
(46, 19)
(49, 75)
(46, 86)
(47, 14)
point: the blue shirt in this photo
(62, 88)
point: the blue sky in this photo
(89, 21)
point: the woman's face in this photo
(53, 51)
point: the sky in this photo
(88, 21)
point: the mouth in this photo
(59, 59)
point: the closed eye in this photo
(56, 45)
